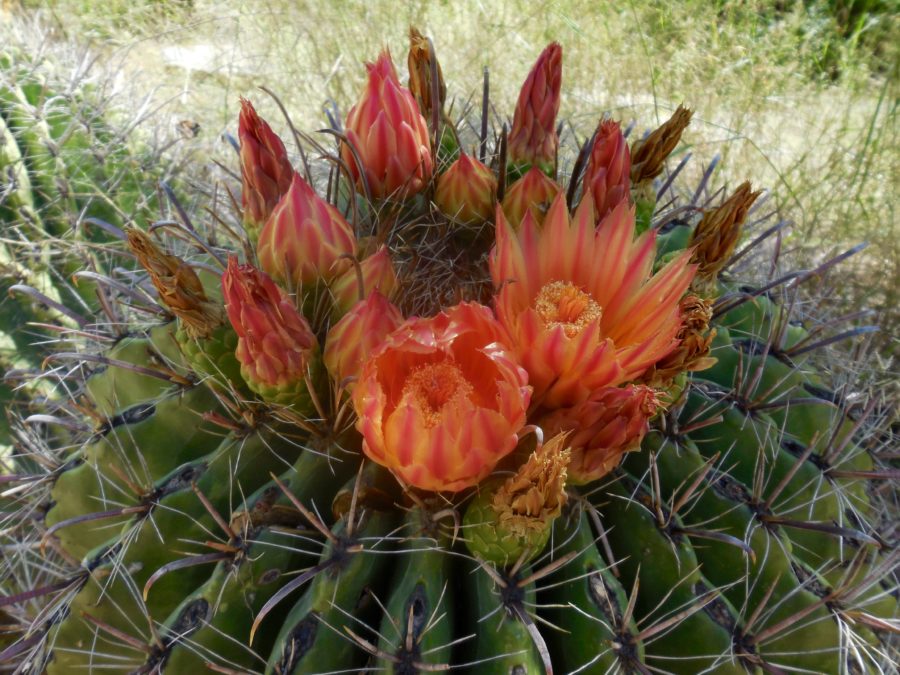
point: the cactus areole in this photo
(486, 401)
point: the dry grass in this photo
(779, 96)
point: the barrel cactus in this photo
(443, 396)
(71, 178)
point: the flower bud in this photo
(375, 273)
(305, 239)
(607, 177)
(265, 170)
(276, 347)
(610, 423)
(532, 193)
(467, 191)
(389, 135)
(532, 138)
(513, 521)
(358, 334)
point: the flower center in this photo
(435, 386)
(561, 303)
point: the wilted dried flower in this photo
(718, 233)
(420, 65)
(648, 154)
(178, 286)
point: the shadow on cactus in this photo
(444, 396)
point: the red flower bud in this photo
(305, 238)
(275, 343)
(603, 428)
(265, 170)
(532, 193)
(467, 191)
(377, 272)
(389, 134)
(358, 334)
(607, 177)
(533, 139)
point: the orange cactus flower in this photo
(467, 191)
(265, 170)
(389, 134)
(532, 138)
(358, 334)
(276, 346)
(532, 193)
(580, 306)
(610, 423)
(376, 273)
(442, 400)
(607, 177)
(305, 239)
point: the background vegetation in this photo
(801, 97)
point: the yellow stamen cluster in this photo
(561, 303)
(434, 386)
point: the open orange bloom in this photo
(580, 306)
(442, 400)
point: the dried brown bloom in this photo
(178, 286)
(420, 74)
(536, 494)
(648, 154)
(717, 234)
(695, 338)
